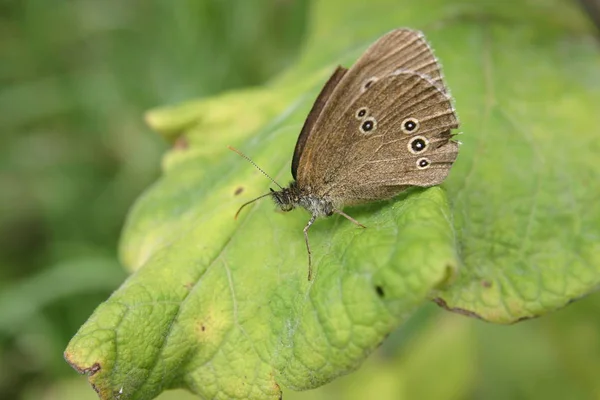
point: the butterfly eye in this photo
(418, 144)
(368, 125)
(410, 125)
(423, 163)
(361, 113)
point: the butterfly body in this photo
(375, 129)
(295, 196)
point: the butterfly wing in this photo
(399, 49)
(314, 113)
(396, 134)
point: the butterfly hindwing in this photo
(396, 134)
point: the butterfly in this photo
(375, 130)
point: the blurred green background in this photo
(76, 77)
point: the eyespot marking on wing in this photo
(369, 82)
(361, 113)
(368, 125)
(418, 144)
(410, 125)
(423, 163)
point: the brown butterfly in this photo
(374, 130)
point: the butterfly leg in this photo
(343, 214)
(310, 222)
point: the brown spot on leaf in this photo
(276, 387)
(442, 303)
(181, 143)
(238, 191)
(189, 286)
(90, 371)
(93, 369)
(212, 325)
(486, 284)
(96, 389)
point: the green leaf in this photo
(223, 308)
(524, 193)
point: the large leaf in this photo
(223, 308)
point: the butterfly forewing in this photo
(399, 49)
(314, 113)
(402, 48)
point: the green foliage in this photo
(75, 79)
(522, 195)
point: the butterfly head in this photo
(287, 198)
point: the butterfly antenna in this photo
(257, 167)
(249, 202)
